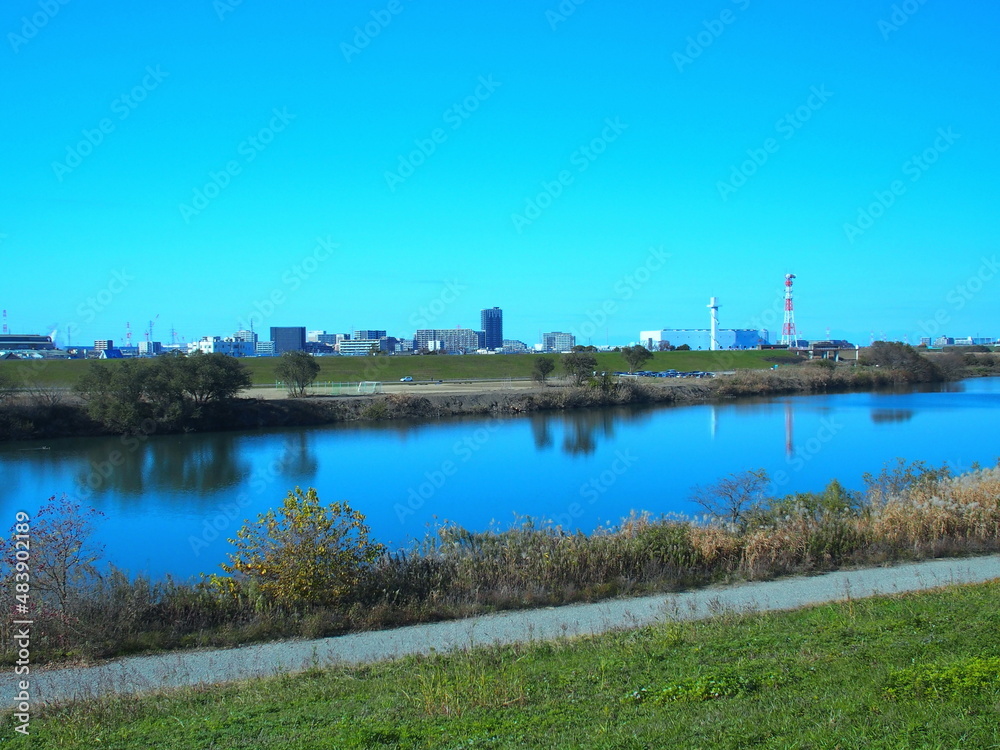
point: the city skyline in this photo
(590, 168)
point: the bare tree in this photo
(731, 498)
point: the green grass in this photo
(855, 675)
(434, 367)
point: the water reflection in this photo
(582, 430)
(891, 415)
(187, 464)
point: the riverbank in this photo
(64, 414)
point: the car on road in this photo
(407, 379)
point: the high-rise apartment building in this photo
(491, 321)
(288, 339)
(458, 340)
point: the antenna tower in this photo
(789, 336)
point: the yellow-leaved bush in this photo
(303, 553)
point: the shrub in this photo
(304, 553)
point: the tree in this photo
(212, 378)
(170, 390)
(731, 498)
(636, 356)
(63, 557)
(8, 386)
(911, 365)
(303, 552)
(683, 348)
(543, 367)
(115, 393)
(579, 365)
(298, 370)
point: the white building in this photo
(219, 345)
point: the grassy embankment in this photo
(906, 512)
(64, 374)
(913, 671)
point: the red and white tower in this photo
(789, 336)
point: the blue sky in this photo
(601, 168)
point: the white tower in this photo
(713, 306)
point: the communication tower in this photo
(789, 336)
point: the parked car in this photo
(407, 379)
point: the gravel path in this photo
(148, 673)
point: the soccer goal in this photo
(370, 386)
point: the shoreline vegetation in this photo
(316, 573)
(202, 393)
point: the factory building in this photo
(701, 338)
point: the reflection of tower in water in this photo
(789, 429)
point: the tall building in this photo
(288, 339)
(245, 335)
(369, 333)
(491, 321)
(102, 344)
(558, 341)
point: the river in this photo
(170, 502)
